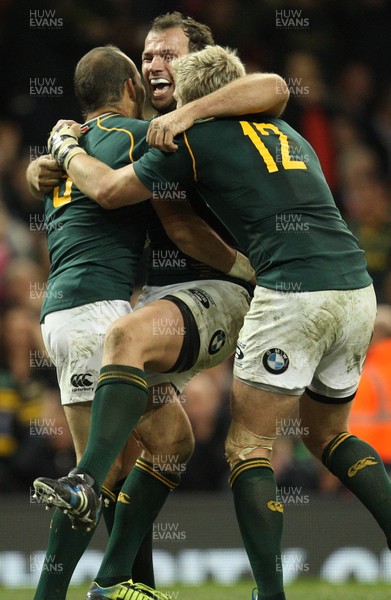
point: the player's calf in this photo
(166, 435)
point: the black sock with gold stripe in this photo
(139, 502)
(143, 563)
(360, 468)
(260, 518)
(119, 402)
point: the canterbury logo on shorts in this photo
(82, 380)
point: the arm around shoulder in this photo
(110, 188)
(258, 92)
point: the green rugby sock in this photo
(143, 563)
(360, 468)
(260, 518)
(119, 402)
(139, 502)
(142, 571)
(65, 547)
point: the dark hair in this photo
(199, 34)
(100, 76)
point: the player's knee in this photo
(175, 449)
(185, 446)
(241, 444)
(119, 334)
(316, 443)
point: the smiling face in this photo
(161, 48)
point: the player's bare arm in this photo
(195, 237)
(108, 187)
(42, 175)
(256, 93)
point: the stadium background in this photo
(335, 56)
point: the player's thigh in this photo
(259, 410)
(256, 415)
(151, 337)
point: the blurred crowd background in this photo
(335, 56)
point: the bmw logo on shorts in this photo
(217, 342)
(275, 361)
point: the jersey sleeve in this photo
(157, 167)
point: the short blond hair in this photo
(203, 72)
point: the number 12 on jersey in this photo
(270, 162)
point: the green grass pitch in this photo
(308, 590)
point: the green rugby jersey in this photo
(167, 264)
(265, 183)
(94, 253)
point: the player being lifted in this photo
(305, 337)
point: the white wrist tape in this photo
(241, 269)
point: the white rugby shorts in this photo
(74, 341)
(315, 340)
(218, 308)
